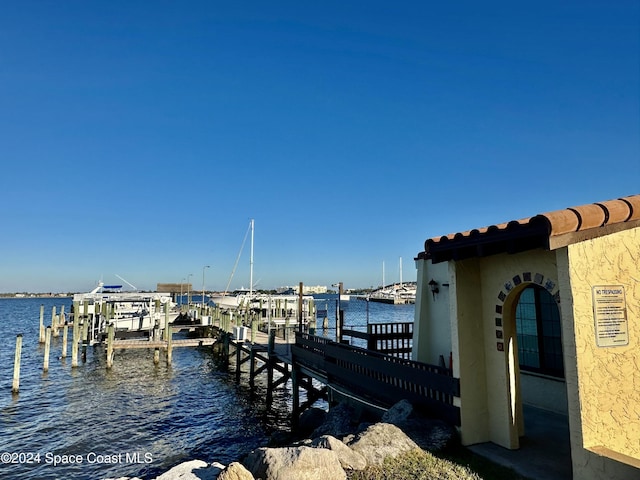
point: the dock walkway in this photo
(186, 342)
(282, 347)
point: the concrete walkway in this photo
(545, 451)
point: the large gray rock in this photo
(311, 419)
(429, 434)
(294, 463)
(235, 471)
(381, 440)
(398, 413)
(123, 478)
(192, 470)
(338, 422)
(349, 459)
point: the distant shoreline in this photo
(22, 296)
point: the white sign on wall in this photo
(610, 315)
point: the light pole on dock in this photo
(189, 290)
(203, 268)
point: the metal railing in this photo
(389, 338)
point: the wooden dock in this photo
(288, 352)
(370, 376)
(183, 342)
(270, 353)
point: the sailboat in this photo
(241, 296)
(271, 306)
(396, 294)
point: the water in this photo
(137, 419)
(358, 313)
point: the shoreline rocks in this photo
(334, 448)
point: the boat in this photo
(233, 299)
(277, 308)
(238, 297)
(132, 313)
(397, 293)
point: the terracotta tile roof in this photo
(547, 230)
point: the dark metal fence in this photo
(367, 324)
(389, 338)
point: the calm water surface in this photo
(137, 419)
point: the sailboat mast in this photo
(383, 274)
(251, 263)
(400, 272)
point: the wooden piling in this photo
(55, 328)
(47, 349)
(295, 387)
(167, 328)
(85, 333)
(254, 327)
(16, 364)
(54, 319)
(286, 329)
(238, 360)
(170, 347)
(300, 304)
(74, 341)
(59, 321)
(269, 398)
(41, 337)
(225, 346)
(340, 326)
(65, 336)
(111, 333)
(272, 343)
(271, 359)
(252, 367)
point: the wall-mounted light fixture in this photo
(433, 285)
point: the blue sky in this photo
(139, 138)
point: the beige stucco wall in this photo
(602, 385)
(469, 351)
(604, 382)
(491, 401)
(432, 328)
(503, 387)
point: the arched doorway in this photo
(539, 426)
(539, 333)
(540, 387)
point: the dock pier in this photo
(256, 342)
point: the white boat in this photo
(397, 293)
(276, 308)
(238, 297)
(279, 308)
(135, 313)
(233, 299)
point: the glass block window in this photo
(538, 331)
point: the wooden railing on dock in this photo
(388, 338)
(379, 378)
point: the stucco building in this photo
(543, 311)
